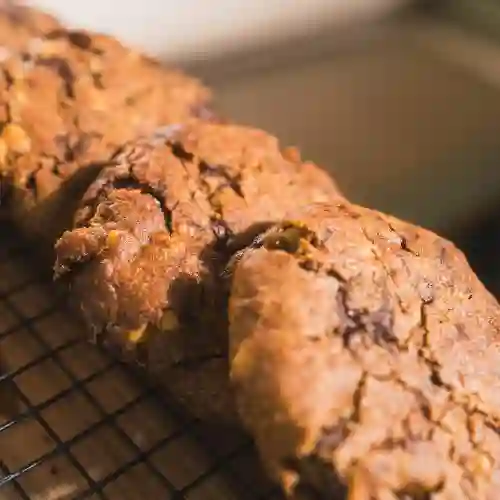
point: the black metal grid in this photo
(51, 379)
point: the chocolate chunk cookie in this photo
(68, 100)
(365, 359)
(154, 233)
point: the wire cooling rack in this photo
(78, 424)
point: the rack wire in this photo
(75, 423)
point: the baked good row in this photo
(358, 350)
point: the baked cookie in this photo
(68, 100)
(155, 231)
(365, 358)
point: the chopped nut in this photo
(3, 153)
(169, 321)
(305, 248)
(481, 465)
(16, 138)
(95, 65)
(113, 238)
(137, 335)
(51, 47)
(294, 223)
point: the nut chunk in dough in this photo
(365, 358)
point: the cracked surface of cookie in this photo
(154, 232)
(365, 358)
(68, 100)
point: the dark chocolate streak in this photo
(63, 69)
(77, 38)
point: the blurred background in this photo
(399, 99)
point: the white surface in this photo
(195, 29)
(405, 128)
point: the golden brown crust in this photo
(153, 235)
(168, 206)
(364, 354)
(68, 100)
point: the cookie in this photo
(153, 234)
(364, 357)
(69, 99)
